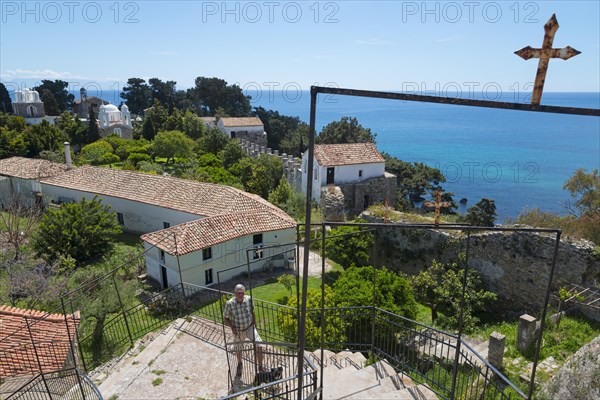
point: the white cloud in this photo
(50, 74)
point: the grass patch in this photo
(276, 293)
(157, 381)
(558, 342)
(158, 372)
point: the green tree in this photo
(218, 175)
(265, 174)
(12, 143)
(232, 153)
(413, 179)
(296, 141)
(5, 101)
(159, 115)
(393, 291)
(44, 137)
(60, 94)
(333, 326)
(214, 93)
(440, 287)
(346, 130)
(93, 130)
(12, 122)
(174, 121)
(381, 288)
(481, 214)
(148, 131)
(51, 106)
(282, 194)
(193, 126)
(137, 94)
(164, 92)
(213, 142)
(171, 144)
(277, 126)
(97, 153)
(586, 188)
(83, 231)
(72, 128)
(101, 296)
(288, 281)
(349, 246)
(17, 222)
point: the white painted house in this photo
(200, 219)
(206, 247)
(248, 128)
(336, 164)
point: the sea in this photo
(519, 159)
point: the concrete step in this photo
(349, 382)
(419, 392)
(356, 359)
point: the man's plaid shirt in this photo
(240, 314)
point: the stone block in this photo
(526, 333)
(496, 346)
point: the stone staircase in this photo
(190, 360)
(345, 376)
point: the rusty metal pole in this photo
(309, 178)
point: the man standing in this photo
(239, 316)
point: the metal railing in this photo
(278, 380)
(68, 383)
(430, 356)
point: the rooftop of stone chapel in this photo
(330, 155)
(241, 121)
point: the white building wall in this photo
(342, 174)
(24, 189)
(224, 256)
(254, 129)
(138, 217)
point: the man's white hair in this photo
(239, 287)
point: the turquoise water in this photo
(519, 159)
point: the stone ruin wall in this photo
(291, 164)
(514, 265)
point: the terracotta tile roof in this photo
(330, 155)
(241, 121)
(200, 198)
(49, 333)
(195, 235)
(29, 168)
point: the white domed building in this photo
(113, 120)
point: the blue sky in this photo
(381, 45)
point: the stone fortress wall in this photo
(514, 265)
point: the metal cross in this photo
(545, 54)
(438, 204)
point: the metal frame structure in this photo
(315, 90)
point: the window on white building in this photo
(360, 174)
(208, 276)
(162, 256)
(120, 218)
(206, 253)
(257, 241)
(166, 225)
